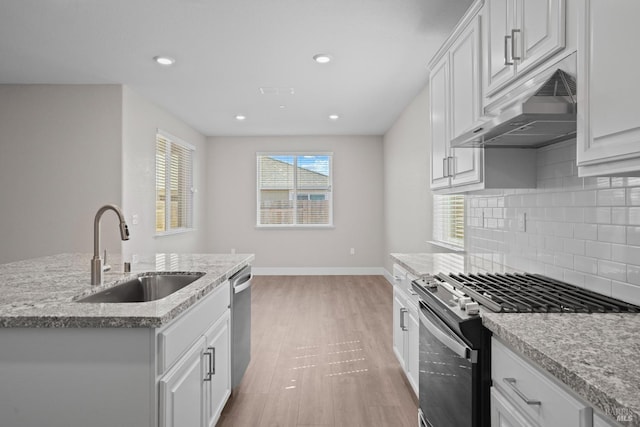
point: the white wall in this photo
(585, 231)
(60, 151)
(408, 199)
(141, 119)
(358, 206)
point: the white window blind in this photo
(448, 220)
(294, 189)
(174, 184)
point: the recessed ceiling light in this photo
(334, 117)
(240, 117)
(282, 107)
(164, 60)
(322, 58)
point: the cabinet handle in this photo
(211, 354)
(208, 374)
(445, 167)
(506, 50)
(513, 45)
(511, 382)
(412, 292)
(403, 326)
(452, 166)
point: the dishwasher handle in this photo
(242, 285)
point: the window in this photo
(448, 220)
(174, 184)
(294, 190)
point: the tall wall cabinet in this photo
(608, 120)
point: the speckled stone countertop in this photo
(41, 292)
(596, 355)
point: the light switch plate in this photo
(521, 224)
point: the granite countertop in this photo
(595, 355)
(41, 292)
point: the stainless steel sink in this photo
(144, 287)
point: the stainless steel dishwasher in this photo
(240, 324)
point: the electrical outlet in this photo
(352, 251)
(135, 219)
(134, 259)
(521, 222)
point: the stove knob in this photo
(463, 301)
(472, 308)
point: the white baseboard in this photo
(318, 271)
(388, 276)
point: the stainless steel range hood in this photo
(544, 114)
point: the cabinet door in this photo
(181, 391)
(539, 31)
(464, 64)
(608, 122)
(498, 18)
(467, 166)
(217, 369)
(439, 97)
(398, 332)
(504, 414)
(413, 341)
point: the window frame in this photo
(296, 190)
(188, 187)
(441, 223)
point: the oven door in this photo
(446, 379)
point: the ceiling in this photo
(226, 50)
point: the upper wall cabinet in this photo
(455, 108)
(518, 36)
(608, 120)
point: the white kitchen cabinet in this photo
(504, 414)
(522, 392)
(518, 36)
(217, 385)
(406, 327)
(455, 108)
(181, 390)
(608, 128)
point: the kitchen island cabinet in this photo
(406, 326)
(159, 363)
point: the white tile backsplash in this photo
(585, 231)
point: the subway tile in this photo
(585, 265)
(562, 229)
(574, 214)
(611, 197)
(633, 236)
(598, 250)
(626, 254)
(588, 231)
(633, 196)
(633, 274)
(482, 202)
(620, 216)
(575, 247)
(554, 272)
(545, 257)
(563, 260)
(572, 183)
(597, 215)
(574, 278)
(612, 233)
(597, 284)
(553, 243)
(612, 270)
(584, 198)
(634, 216)
(626, 292)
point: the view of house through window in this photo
(174, 184)
(294, 189)
(448, 220)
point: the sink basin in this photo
(144, 287)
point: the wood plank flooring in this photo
(321, 356)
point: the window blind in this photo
(174, 184)
(448, 219)
(294, 189)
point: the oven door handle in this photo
(454, 345)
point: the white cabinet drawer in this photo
(176, 338)
(520, 381)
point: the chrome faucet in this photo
(96, 262)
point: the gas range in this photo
(527, 293)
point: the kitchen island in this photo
(593, 355)
(67, 363)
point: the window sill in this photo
(295, 227)
(174, 232)
(448, 246)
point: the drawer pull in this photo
(403, 325)
(511, 382)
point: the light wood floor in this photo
(321, 356)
